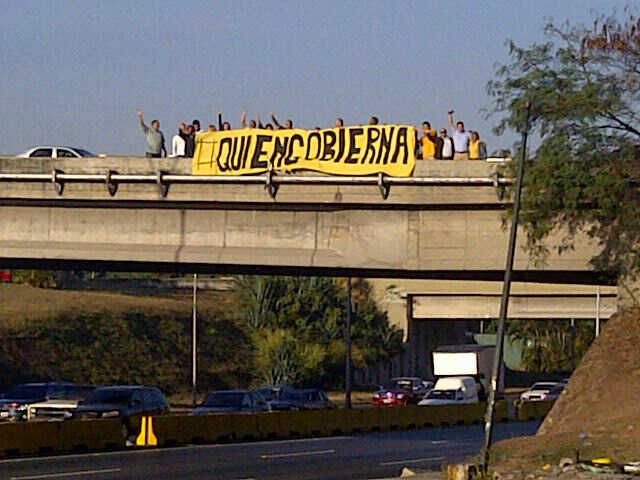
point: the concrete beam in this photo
(418, 232)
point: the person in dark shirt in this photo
(189, 142)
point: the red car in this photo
(401, 391)
(5, 276)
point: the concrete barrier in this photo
(90, 435)
(533, 410)
(33, 438)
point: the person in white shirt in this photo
(447, 145)
(461, 139)
(177, 142)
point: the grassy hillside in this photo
(113, 338)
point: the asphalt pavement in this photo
(366, 456)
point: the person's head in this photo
(155, 124)
(460, 126)
(339, 122)
(196, 125)
(181, 127)
(475, 136)
(190, 130)
(443, 132)
(374, 120)
(252, 124)
(212, 127)
(268, 126)
(288, 124)
(426, 126)
(226, 126)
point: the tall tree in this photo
(584, 87)
(298, 325)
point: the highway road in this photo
(348, 457)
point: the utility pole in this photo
(347, 368)
(194, 342)
(597, 311)
(504, 303)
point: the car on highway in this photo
(302, 399)
(232, 401)
(49, 151)
(15, 402)
(401, 391)
(452, 391)
(542, 391)
(121, 401)
(61, 405)
(273, 393)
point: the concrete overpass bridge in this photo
(151, 214)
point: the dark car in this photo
(273, 393)
(402, 391)
(122, 401)
(304, 399)
(15, 402)
(232, 401)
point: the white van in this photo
(452, 391)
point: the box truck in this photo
(467, 361)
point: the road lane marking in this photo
(411, 460)
(297, 454)
(78, 473)
(172, 449)
(439, 442)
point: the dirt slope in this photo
(604, 391)
(599, 412)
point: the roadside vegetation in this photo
(268, 330)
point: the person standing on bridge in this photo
(177, 142)
(461, 139)
(155, 139)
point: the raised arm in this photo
(220, 121)
(275, 121)
(243, 119)
(260, 125)
(141, 118)
(451, 121)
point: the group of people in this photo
(461, 145)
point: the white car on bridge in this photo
(48, 151)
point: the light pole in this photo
(194, 339)
(504, 303)
(347, 368)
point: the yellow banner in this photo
(364, 150)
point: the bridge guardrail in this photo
(33, 438)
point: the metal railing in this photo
(271, 181)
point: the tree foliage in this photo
(298, 326)
(584, 87)
(551, 346)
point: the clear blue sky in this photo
(75, 71)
